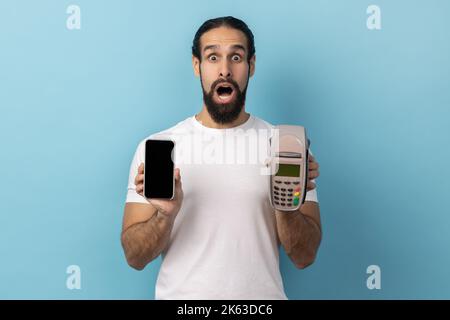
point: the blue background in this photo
(75, 103)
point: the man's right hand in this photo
(169, 208)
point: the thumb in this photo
(178, 186)
(177, 174)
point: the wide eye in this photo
(236, 58)
(212, 57)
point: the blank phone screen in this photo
(159, 166)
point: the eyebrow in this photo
(234, 46)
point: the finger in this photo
(312, 163)
(178, 184)
(310, 186)
(139, 178)
(311, 157)
(139, 188)
(177, 174)
(141, 168)
(313, 174)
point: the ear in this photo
(196, 65)
(252, 65)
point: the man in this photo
(219, 237)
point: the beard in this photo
(224, 113)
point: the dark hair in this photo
(228, 21)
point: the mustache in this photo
(220, 81)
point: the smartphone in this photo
(159, 179)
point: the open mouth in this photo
(225, 92)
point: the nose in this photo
(225, 70)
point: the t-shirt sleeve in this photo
(311, 195)
(139, 156)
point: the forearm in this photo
(144, 241)
(300, 237)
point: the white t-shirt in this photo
(224, 242)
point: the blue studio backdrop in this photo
(75, 100)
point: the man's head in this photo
(223, 55)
